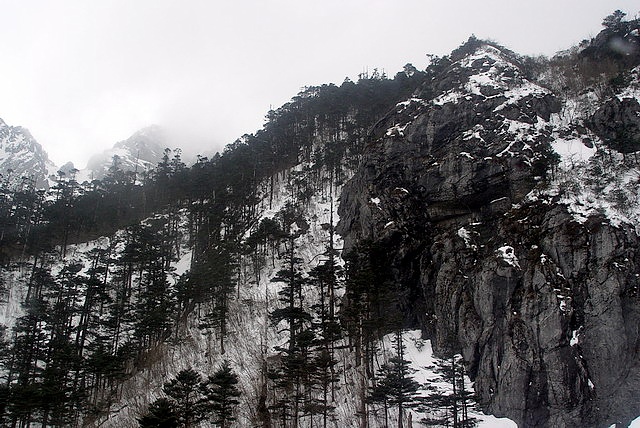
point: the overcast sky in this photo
(82, 75)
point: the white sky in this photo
(84, 74)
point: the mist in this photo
(84, 75)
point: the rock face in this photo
(23, 158)
(617, 123)
(543, 305)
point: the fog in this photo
(82, 75)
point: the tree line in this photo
(88, 324)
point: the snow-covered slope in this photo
(507, 216)
(252, 338)
(591, 181)
(23, 158)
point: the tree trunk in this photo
(364, 422)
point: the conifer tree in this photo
(453, 403)
(221, 395)
(186, 398)
(295, 369)
(29, 352)
(395, 386)
(62, 363)
(324, 278)
(160, 415)
(217, 274)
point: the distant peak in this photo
(151, 130)
(141, 151)
(153, 135)
(21, 154)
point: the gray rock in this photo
(617, 123)
(544, 309)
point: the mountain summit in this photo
(139, 153)
(502, 246)
(22, 158)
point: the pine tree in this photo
(613, 21)
(217, 276)
(160, 415)
(221, 393)
(324, 278)
(291, 294)
(5, 394)
(186, 398)
(452, 404)
(295, 370)
(29, 352)
(395, 386)
(61, 394)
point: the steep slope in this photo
(114, 321)
(486, 214)
(22, 157)
(254, 342)
(540, 297)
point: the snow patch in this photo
(572, 150)
(490, 421)
(466, 237)
(396, 131)
(447, 97)
(507, 254)
(401, 106)
(574, 338)
(184, 264)
(419, 353)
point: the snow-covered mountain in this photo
(140, 152)
(371, 255)
(506, 240)
(23, 158)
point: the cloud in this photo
(82, 75)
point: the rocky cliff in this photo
(489, 212)
(539, 293)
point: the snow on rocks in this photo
(633, 89)
(634, 423)
(575, 338)
(401, 106)
(396, 131)
(465, 234)
(507, 254)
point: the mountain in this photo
(535, 285)
(140, 152)
(23, 158)
(456, 246)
